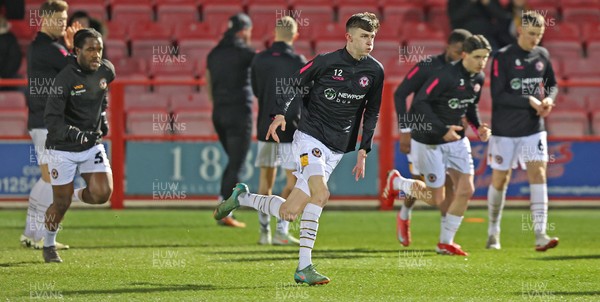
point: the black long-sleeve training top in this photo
(516, 75)
(81, 99)
(447, 96)
(413, 81)
(45, 59)
(344, 91)
(271, 74)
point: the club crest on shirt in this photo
(316, 152)
(103, 84)
(476, 87)
(518, 62)
(431, 177)
(363, 82)
(539, 66)
(54, 173)
(499, 159)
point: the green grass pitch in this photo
(182, 255)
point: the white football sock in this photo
(539, 208)
(50, 238)
(405, 212)
(264, 220)
(42, 197)
(449, 228)
(78, 195)
(309, 224)
(404, 185)
(496, 200)
(283, 226)
(268, 204)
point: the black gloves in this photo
(85, 138)
(103, 124)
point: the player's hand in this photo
(279, 120)
(547, 105)
(451, 135)
(359, 169)
(405, 142)
(70, 34)
(484, 132)
(536, 104)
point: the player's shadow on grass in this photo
(326, 254)
(137, 246)
(278, 250)
(548, 294)
(142, 288)
(568, 257)
(20, 263)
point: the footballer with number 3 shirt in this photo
(444, 99)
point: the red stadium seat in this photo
(174, 14)
(198, 51)
(590, 31)
(193, 31)
(567, 123)
(417, 50)
(328, 46)
(147, 49)
(486, 117)
(132, 13)
(346, 11)
(264, 18)
(386, 50)
(195, 122)
(187, 102)
(178, 2)
(13, 121)
(485, 99)
(331, 31)
(311, 15)
(398, 15)
(593, 51)
(94, 10)
(565, 50)
(150, 31)
(421, 31)
(396, 70)
(128, 66)
(585, 94)
(134, 89)
(179, 64)
(174, 89)
(569, 101)
(12, 100)
(581, 14)
(217, 16)
(117, 31)
(581, 68)
(145, 101)
(562, 32)
(154, 121)
(437, 16)
(117, 49)
(340, 3)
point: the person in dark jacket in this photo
(10, 54)
(47, 55)
(76, 120)
(228, 83)
(347, 91)
(271, 70)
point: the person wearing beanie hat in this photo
(228, 86)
